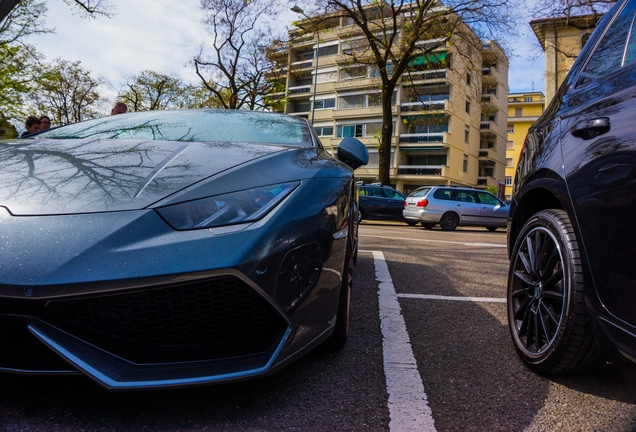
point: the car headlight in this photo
(228, 209)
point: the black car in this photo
(174, 248)
(572, 230)
(380, 202)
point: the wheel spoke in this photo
(523, 308)
(538, 251)
(551, 262)
(549, 311)
(523, 277)
(530, 265)
(553, 280)
(545, 326)
(526, 263)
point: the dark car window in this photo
(371, 192)
(608, 55)
(443, 194)
(486, 198)
(465, 196)
(191, 125)
(392, 194)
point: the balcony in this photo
(299, 65)
(299, 89)
(421, 170)
(422, 137)
(436, 74)
(487, 154)
(424, 106)
(487, 125)
(486, 181)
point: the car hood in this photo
(53, 177)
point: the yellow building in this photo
(449, 118)
(523, 110)
(562, 40)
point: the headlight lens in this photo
(229, 209)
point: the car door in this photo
(371, 201)
(468, 207)
(493, 212)
(599, 157)
(394, 202)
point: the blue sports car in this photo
(174, 248)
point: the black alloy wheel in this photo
(546, 308)
(491, 229)
(411, 222)
(449, 221)
(428, 226)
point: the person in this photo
(45, 123)
(32, 125)
(119, 108)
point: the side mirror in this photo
(352, 152)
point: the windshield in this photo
(191, 125)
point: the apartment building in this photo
(449, 115)
(523, 110)
(562, 40)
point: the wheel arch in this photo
(549, 191)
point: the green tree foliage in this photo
(234, 71)
(394, 37)
(68, 93)
(150, 90)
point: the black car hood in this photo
(52, 177)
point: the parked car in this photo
(379, 202)
(572, 235)
(174, 248)
(451, 207)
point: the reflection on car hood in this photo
(47, 177)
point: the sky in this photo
(165, 35)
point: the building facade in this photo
(523, 110)
(562, 40)
(449, 116)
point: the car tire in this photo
(428, 226)
(411, 222)
(547, 316)
(491, 229)
(449, 221)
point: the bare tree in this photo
(151, 90)
(403, 35)
(68, 92)
(569, 8)
(235, 71)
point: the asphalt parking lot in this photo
(462, 373)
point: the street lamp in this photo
(299, 10)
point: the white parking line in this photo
(454, 298)
(408, 406)
(495, 245)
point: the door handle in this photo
(589, 129)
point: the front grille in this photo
(216, 312)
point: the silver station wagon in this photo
(451, 207)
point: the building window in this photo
(508, 181)
(510, 145)
(510, 128)
(324, 131)
(518, 112)
(353, 101)
(467, 106)
(465, 167)
(509, 162)
(468, 77)
(466, 134)
(328, 50)
(350, 131)
(325, 104)
(527, 99)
